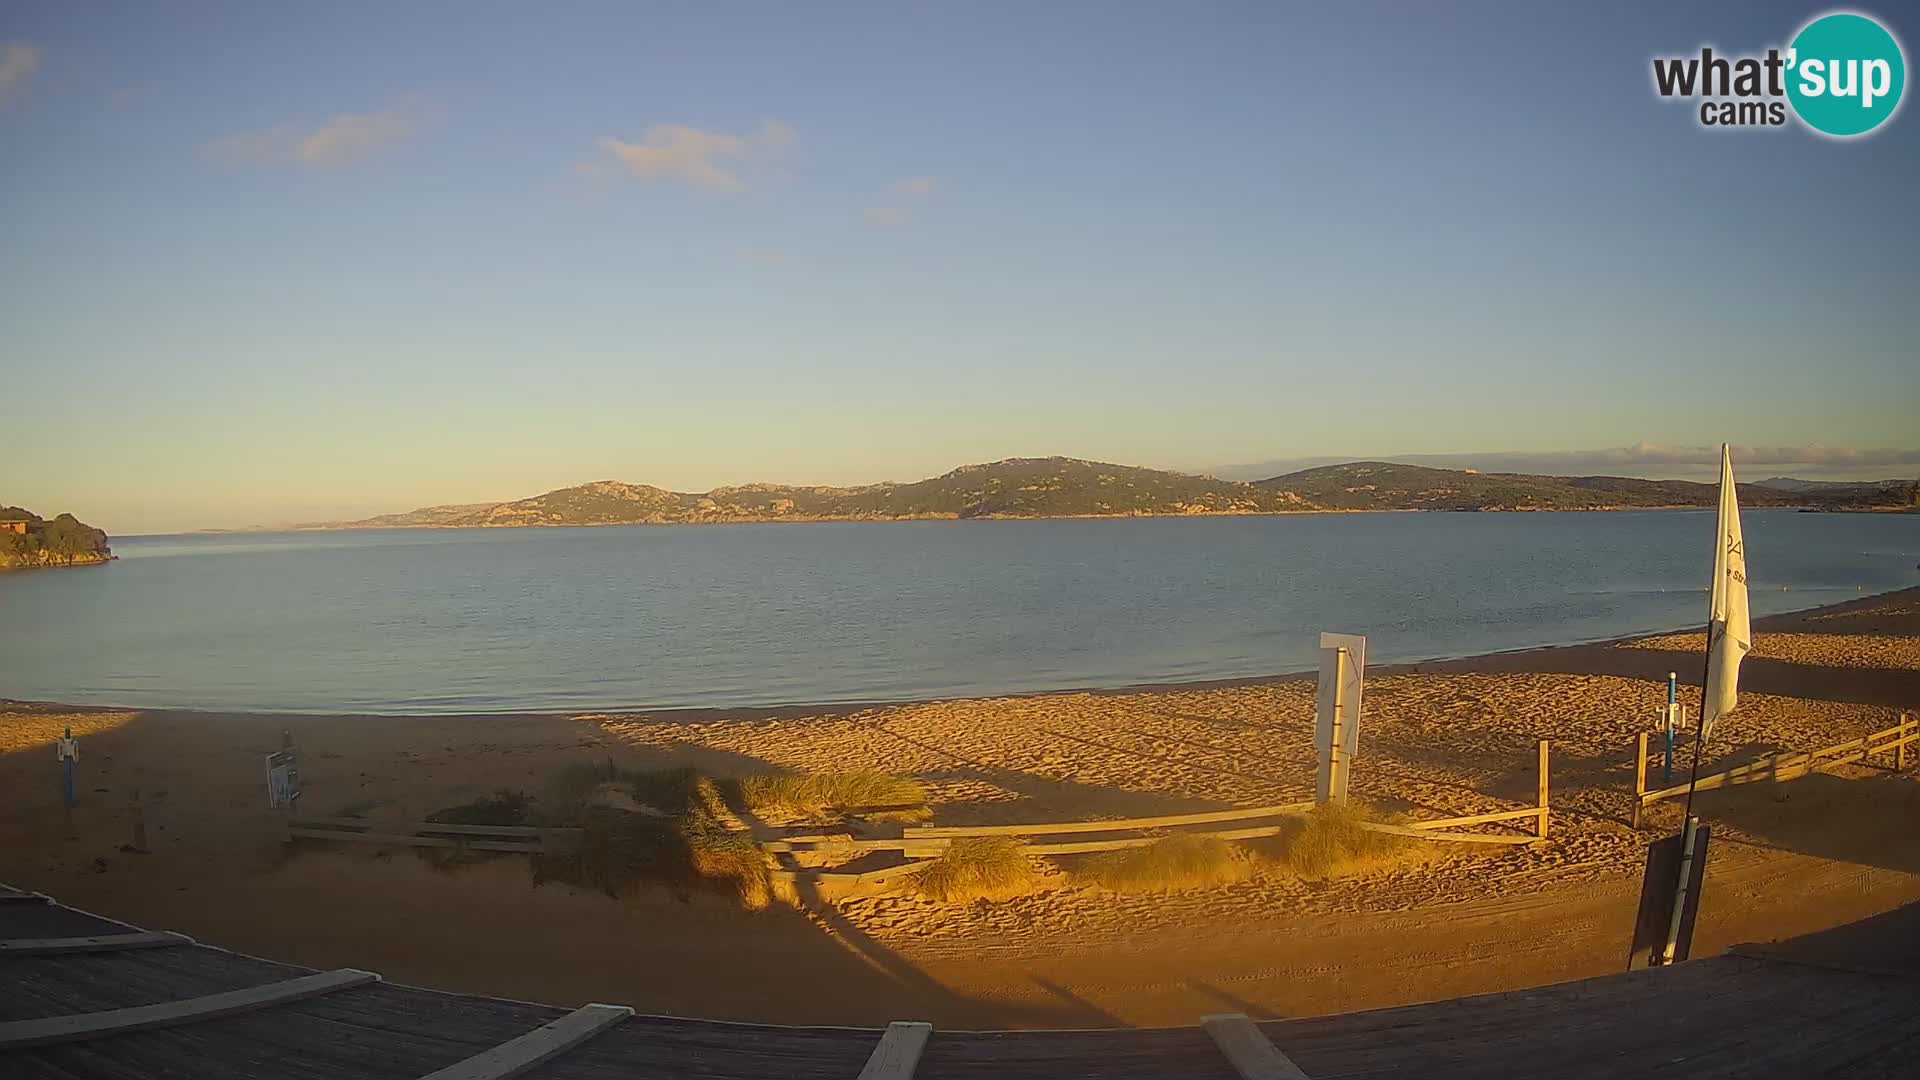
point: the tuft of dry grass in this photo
(818, 796)
(1332, 840)
(620, 853)
(977, 868)
(1177, 861)
(504, 807)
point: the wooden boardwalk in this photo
(179, 1009)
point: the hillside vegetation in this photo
(1379, 485)
(1018, 487)
(64, 541)
(1068, 487)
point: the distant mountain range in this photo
(1068, 487)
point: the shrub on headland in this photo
(64, 541)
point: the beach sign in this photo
(283, 777)
(1336, 727)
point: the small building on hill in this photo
(17, 527)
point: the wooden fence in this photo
(435, 834)
(923, 844)
(1780, 767)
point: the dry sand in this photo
(1439, 739)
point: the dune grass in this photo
(1177, 861)
(823, 795)
(977, 868)
(1332, 840)
(504, 807)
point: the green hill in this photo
(1068, 487)
(1017, 487)
(64, 541)
(1380, 485)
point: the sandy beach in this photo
(1440, 739)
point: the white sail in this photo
(1731, 630)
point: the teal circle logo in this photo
(1845, 74)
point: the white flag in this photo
(1727, 611)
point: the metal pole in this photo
(1336, 785)
(1680, 894)
(1673, 690)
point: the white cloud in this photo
(886, 217)
(18, 62)
(915, 185)
(342, 138)
(705, 159)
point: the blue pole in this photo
(1673, 695)
(69, 783)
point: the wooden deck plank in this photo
(898, 1052)
(517, 1057)
(55, 946)
(74, 1027)
(1252, 1054)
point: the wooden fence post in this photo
(1900, 751)
(1541, 831)
(1639, 776)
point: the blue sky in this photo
(261, 263)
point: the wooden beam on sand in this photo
(531, 831)
(1639, 777)
(1476, 819)
(75, 1027)
(897, 1053)
(1115, 825)
(1541, 831)
(98, 943)
(1429, 834)
(1248, 1050)
(519, 1056)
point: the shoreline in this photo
(793, 520)
(793, 710)
(1440, 739)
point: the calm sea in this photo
(529, 619)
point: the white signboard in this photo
(1336, 729)
(283, 778)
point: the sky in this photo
(275, 263)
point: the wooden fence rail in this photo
(1781, 767)
(435, 834)
(922, 844)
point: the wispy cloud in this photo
(705, 159)
(342, 138)
(894, 216)
(18, 62)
